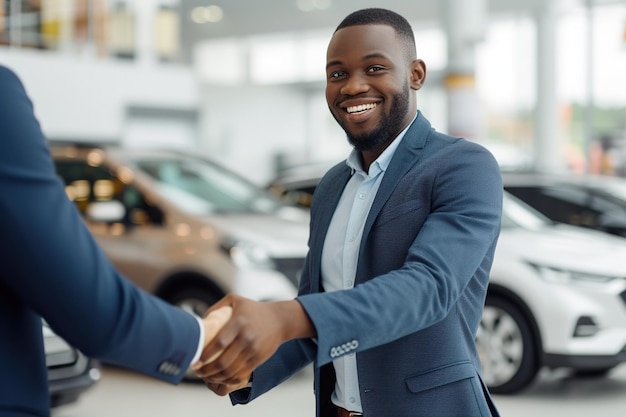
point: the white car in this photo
(557, 298)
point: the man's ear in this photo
(417, 74)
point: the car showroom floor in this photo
(122, 393)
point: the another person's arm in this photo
(52, 263)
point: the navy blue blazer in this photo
(422, 276)
(51, 267)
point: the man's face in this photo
(368, 82)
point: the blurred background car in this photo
(595, 202)
(183, 227)
(70, 373)
(556, 298)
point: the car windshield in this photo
(200, 187)
(518, 214)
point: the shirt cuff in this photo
(200, 340)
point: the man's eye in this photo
(336, 74)
(375, 68)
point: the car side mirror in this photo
(106, 211)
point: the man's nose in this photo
(354, 85)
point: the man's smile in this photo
(361, 108)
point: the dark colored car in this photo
(70, 372)
(595, 202)
(296, 185)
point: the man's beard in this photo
(389, 126)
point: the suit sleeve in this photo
(51, 262)
(291, 357)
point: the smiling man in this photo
(368, 90)
(402, 239)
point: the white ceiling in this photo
(243, 18)
(247, 17)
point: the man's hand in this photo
(213, 322)
(253, 333)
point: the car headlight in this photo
(564, 276)
(248, 255)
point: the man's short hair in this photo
(377, 16)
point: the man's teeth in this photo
(361, 107)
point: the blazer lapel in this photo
(406, 156)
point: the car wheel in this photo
(506, 347)
(195, 300)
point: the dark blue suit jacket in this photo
(422, 276)
(50, 266)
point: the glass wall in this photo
(590, 68)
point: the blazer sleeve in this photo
(52, 264)
(291, 357)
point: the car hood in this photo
(566, 247)
(282, 234)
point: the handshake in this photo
(240, 334)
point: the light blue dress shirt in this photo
(341, 253)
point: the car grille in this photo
(290, 267)
(61, 359)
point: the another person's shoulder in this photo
(8, 75)
(10, 84)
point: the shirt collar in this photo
(384, 159)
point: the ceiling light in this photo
(322, 4)
(207, 14)
(311, 5)
(305, 5)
